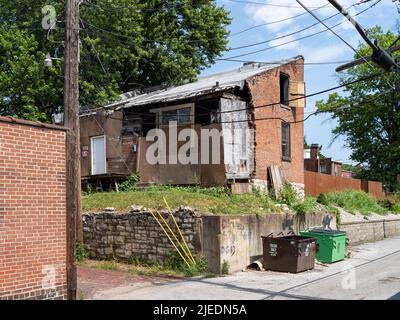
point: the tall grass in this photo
(355, 202)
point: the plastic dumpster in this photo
(289, 253)
(331, 244)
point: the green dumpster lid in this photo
(326, 231)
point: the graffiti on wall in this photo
(234, 240)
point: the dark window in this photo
(284, 88)
(184, 115)
(181, 116)
(286, 153)
(168, 116)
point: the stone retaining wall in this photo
(136, 235)
(234, 239)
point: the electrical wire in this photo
(341, 38)
(268, 4)
(292, 33)
(301, 38)
(240, 47)
(272, 63)
(264, 105)
(394, 42)
(374, 98)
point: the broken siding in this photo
(238, 140)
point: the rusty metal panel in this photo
(316, 183)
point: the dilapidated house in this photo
(258, 109)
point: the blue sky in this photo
(320, 48)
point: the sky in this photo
(325, 47)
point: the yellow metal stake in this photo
(179, 230)
(175, 237)
(169, 238)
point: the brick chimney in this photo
(314, 150)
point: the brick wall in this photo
(32, 211)
(136, 235)
(265, 89)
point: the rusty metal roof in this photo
(204, 85)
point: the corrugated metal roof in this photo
(213, 83)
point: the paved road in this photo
(373, 272)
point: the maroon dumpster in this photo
(289, 253)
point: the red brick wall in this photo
(32, 212)
(264, 90)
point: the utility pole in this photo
(379, 56)
(71, 121)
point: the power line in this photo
(394, 42)
(337, 35)
(326, 6)
(273, 63)
(270, 4)
(374, 98)
(312, 94)
(266, 105)
(326, 26)
(301, 38)
(231, 57)
(229, 49)
(292, 33)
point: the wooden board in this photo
(277, 178)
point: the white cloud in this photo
(267, 14)
(326, 53)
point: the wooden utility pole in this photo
(71, 121)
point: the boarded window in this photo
(180, 114)
(286, 152)
(297, 91)
(284, 89)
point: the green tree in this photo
(368, 115)
(125, 45)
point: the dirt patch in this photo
(91, 281)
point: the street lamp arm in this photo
(362, 60)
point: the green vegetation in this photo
(355, 202)
(107, 265)
(173, 265)
(391, 203)
(349, 167)
(81, 253)
(289, 197)
(130, 183)
(368, 115)
(125, 45)
(225, 267)
(217, 200)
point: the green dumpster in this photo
(331, 244)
